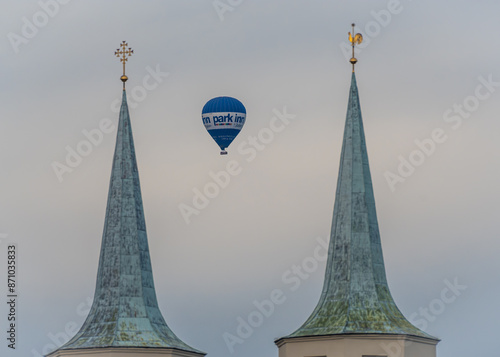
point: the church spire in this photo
(355, 297)
(125, 313)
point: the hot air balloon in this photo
(223, 118)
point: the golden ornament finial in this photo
(123, 53)
(357, 39)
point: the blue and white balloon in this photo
(223, 118)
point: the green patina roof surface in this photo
(355, 297)
(125, 311)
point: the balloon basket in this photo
(223, 152)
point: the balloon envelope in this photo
(223, 118)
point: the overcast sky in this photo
(429, 84)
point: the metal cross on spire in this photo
(123, 53)
(354, 39)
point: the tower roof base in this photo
(124, 351)
(357, 345)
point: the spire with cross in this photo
(125, 319)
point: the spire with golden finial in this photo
(357, 39)
(123, 53)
